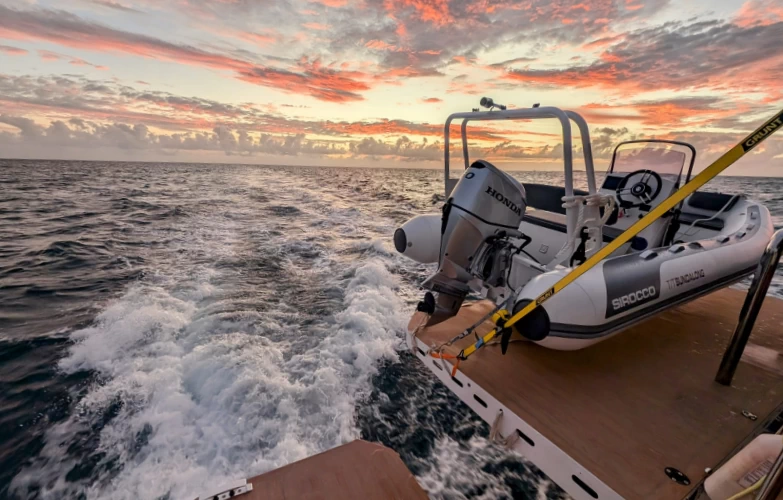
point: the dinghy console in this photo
(642, 174)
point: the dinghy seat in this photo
(712, 202)
(709, 204)
(557, 222)
(686, 219)
(546, 197)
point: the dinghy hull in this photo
(626, 289)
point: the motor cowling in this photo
(485, 207)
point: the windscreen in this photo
(662, 158)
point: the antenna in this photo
(487, 102)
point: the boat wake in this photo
(241, 349)
(185, 396)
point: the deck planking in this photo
(356, 470)
(641, 401)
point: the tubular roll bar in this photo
(750, 310)
(565, 118)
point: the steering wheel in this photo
(641, 189)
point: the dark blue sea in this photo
(167, 327)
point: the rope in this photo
(748, 491)
(439, 354)
(496, 437)
(437, 351)
(467, 331)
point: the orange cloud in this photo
(380, 45)
(721, 56)
(316, 26)
(46, 55)
(593, 14)
(433, 11)
(401, 127)
(312, 78)
(676, 112)
(459, 87)
(308, 78)
(603, 42)
(50, 56)
(12, 51)
(332, 3)
(395, 74)
(759, 13)
(73, 32)
(262, 39)
(463, 60)
(431, 100)
(631, 5)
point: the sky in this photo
(371, 82)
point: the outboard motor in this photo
(483, 212)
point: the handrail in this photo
(464, 133)
(565, 118)
(750, 309)
(543, 112)
(587, 148)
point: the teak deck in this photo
(356, 470)
(641, 401)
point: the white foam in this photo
(457, 468)
(210, 393)
(221, 400)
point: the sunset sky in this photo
(370, 82)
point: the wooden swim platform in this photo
(356, 470)
(628, 408)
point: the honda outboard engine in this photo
(483, 212)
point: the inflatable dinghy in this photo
(510, 241)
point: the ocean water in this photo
(167, 327)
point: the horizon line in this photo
(399, 167)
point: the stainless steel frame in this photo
(565, 118)
(750, 309)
